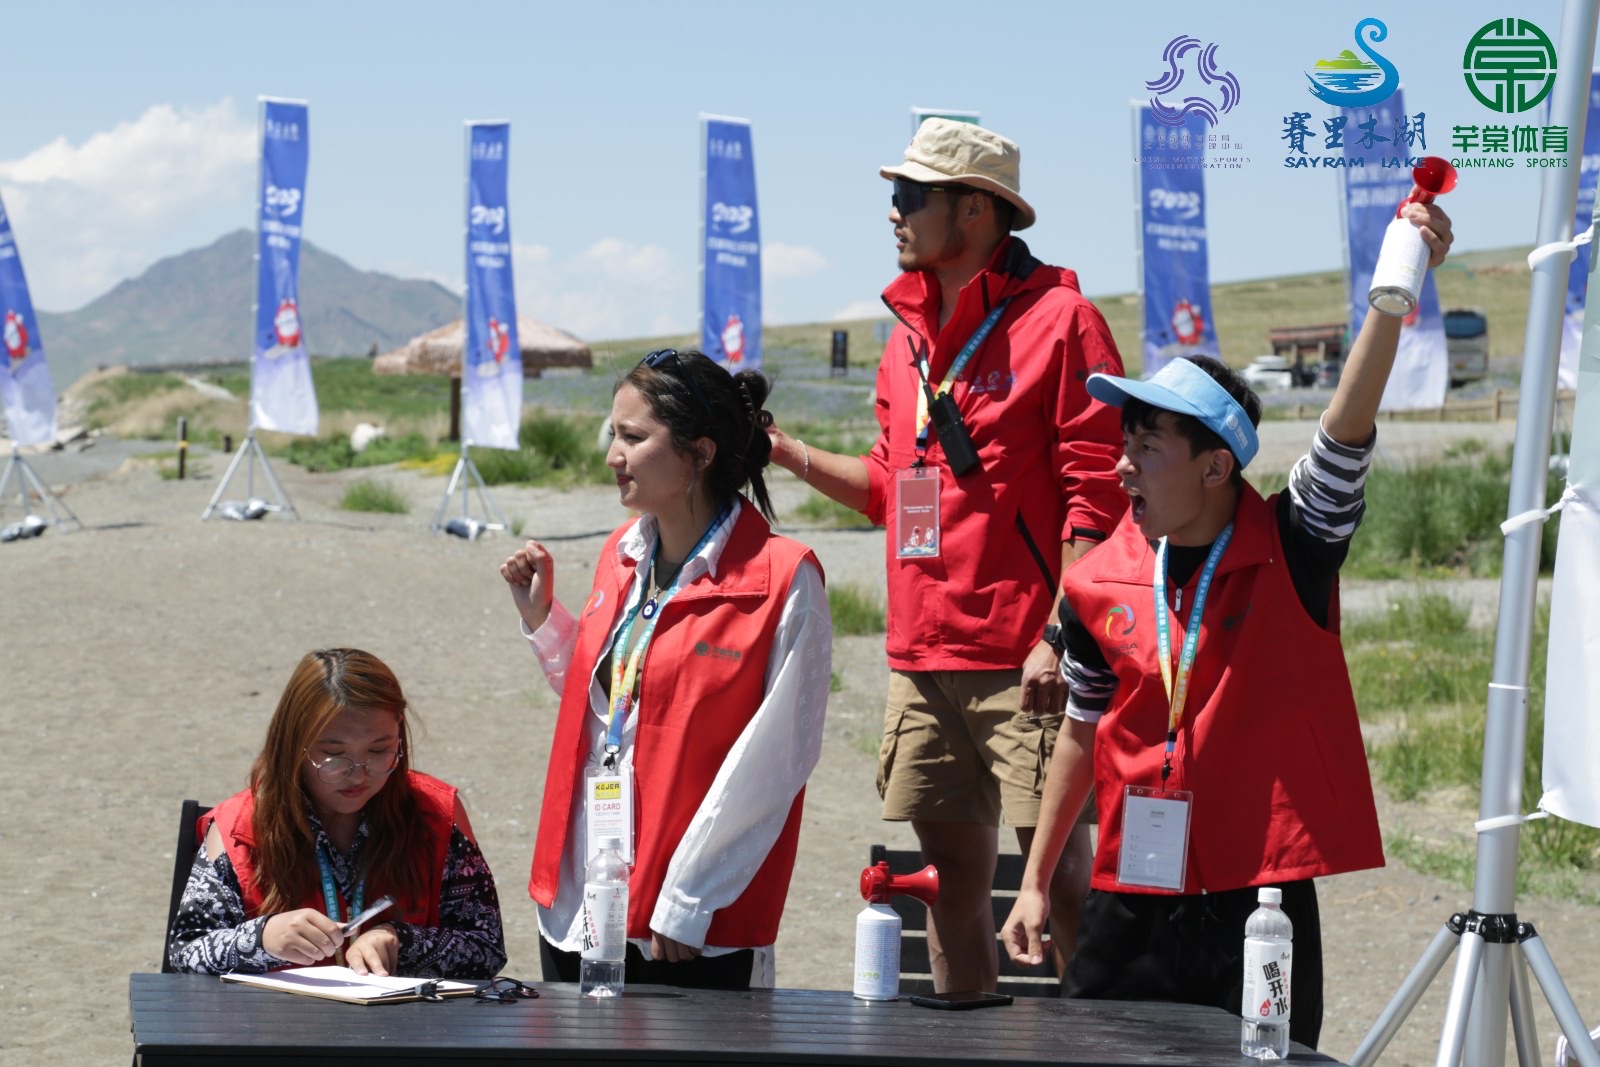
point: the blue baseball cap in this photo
(1184, 388)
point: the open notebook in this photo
(341, 983)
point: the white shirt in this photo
(742, 815)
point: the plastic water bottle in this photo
(605, 921)
(1268, 961)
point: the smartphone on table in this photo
(965, 1000)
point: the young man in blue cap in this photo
(1209, 703)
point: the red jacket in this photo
(1269, 743)
(703, 677)
(1048, 453)
(436, 805)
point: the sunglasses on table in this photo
(659, 359)
(909, 197)
(505, 991)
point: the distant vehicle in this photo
(1327, 373)
(1466, 333)
(1267, 374)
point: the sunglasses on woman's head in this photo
(659, 359)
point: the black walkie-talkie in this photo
(959, 450)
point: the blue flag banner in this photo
(25, 388)
(1387, 144)
(1578, 274)
(491, 362)
(1172, 218)
(730, 323)
(281, 394)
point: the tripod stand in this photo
(1497, 948)
(250, 452)
(466, 524)
(18, 468)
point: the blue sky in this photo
(130, 134)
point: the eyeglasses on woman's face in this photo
(335, 769)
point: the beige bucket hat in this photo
(945, 150)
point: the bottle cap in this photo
(1269, 895)
(611, 842)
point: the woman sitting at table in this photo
(334, 820)
(694, 679)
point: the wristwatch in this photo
(1055, 638)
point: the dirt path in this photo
(144, 656)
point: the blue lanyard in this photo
(926, 394)
(330, 896)
(1178, 693)
(624, 675)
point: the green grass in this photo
(348, 384)
(1423, 672)
(335, 454)
(120, 390)
(371, 495)
(819, 510)
(855, 611)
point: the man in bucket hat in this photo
(1209, 704)
(991, 446)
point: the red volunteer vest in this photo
(702, 679)
(436, 805)
(1269, 744)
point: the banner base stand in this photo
(28, 480)
(250, 453)
(466, 477)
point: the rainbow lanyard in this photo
(625, 675)
(330, 896)
(926, 394)
(1178, 694)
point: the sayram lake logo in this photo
(1348, 80)
(1223, 83)
(1510, 65)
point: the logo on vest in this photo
(704, 648)
(596, 598)
(1119, 623)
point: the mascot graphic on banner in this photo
(733, 338)
(1187, 323)
(16, 335)
(498, 342)
(286, 329)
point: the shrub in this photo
(371, 495)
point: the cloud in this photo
(860, 309)
(93, 213)
(612, 289)
(781, 262)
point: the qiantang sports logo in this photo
(16, 336)
(1510, 65)
(1223, 83)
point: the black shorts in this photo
(1190, 949)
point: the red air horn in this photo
(1403, 259)
(878, 927)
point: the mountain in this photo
(195, 308)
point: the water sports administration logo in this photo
(1119, 621)
(1510, 66)
(16, 336)
(1347, 80)
(1205, 67)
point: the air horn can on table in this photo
(878, 928)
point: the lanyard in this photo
(1178, 693)
(926, 394)
(330, 895)
(624, 675)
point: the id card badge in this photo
(1155, 837)
(916, 512)
(608, 808)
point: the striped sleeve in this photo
(1090, 680)
(1327, 487)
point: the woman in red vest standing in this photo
(335, 819)
(693, 685)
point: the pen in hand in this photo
(349, 929)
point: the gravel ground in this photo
(164, 642)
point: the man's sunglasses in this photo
(658, 360)
(910, 197)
